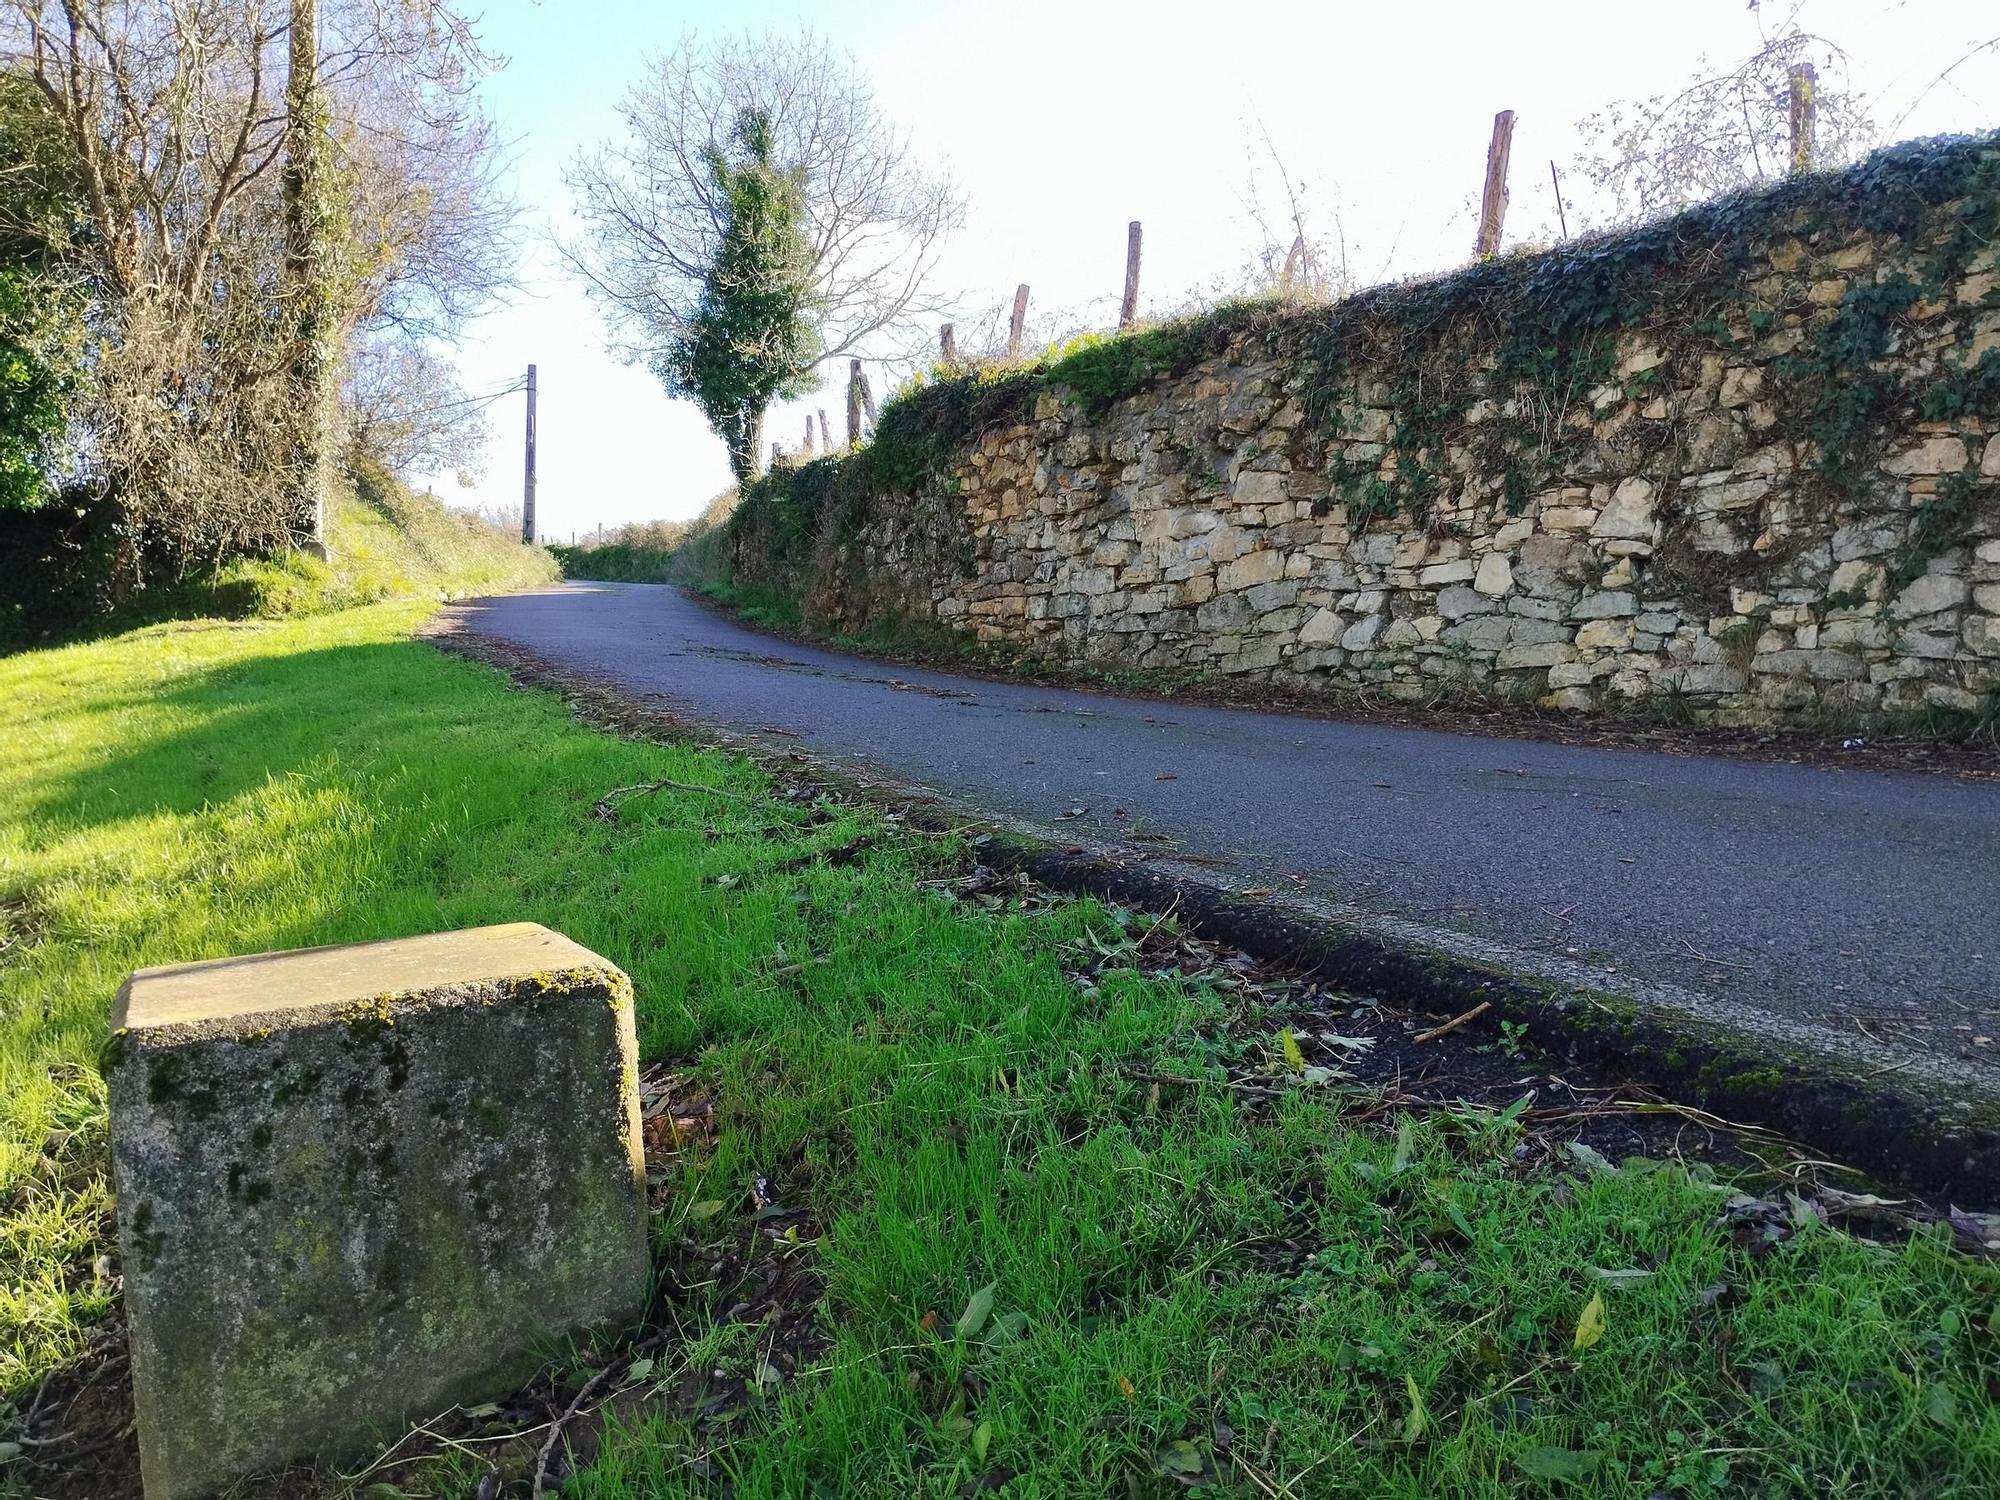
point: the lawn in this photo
(1032, 1269)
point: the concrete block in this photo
(356, 1185)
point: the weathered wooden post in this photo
(854, 403)
(825, 436)
(867, 394)
(1017, 326)
(357, 1185)
(776, 453)
(947, 345)
(807, 447)
(1805, 115)
(1493, 201)
(1128, 310)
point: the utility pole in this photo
(528, 469)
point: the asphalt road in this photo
(1857, 904)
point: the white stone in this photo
(1630, 513)
(1928, 595)
(1323, 629)
(1987, 597)
(1989, 466)
(1439, 574)
(1495, 576)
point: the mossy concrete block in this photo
(356, 1185)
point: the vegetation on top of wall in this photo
(1538, 332)
(1514, 358)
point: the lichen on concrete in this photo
(339, 1212)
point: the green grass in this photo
(1371, 1310)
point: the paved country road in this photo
(1857, 911)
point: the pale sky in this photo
(1064, 119)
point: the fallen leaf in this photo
(1126, 1388)
(1289, 1045)
(708, 1208)
(1592, 1158)
(1590, 1325)
(639, 1369)
(977, 1310)
(929, 1321)
(1940, 1405)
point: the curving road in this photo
(1858, 910)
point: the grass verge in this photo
(1047, 1246)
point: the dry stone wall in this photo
(1786, 506)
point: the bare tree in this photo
(175, 114)
(1726, 130)
(876, 216)
(403, 407)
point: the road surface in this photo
(1860, 907)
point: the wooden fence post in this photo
(1017, 326)
(854, 403)
(825, 437)
(808, 446)
(947, 345)
(867, 394)
(1805, 115)
(1129, 309)
(1493, 202)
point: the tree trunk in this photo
(312, 282)
(752, 457)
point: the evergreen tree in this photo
(752, 339)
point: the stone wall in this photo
(1767, 487)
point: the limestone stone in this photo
(1541, 654)
(1252, 568)
(1458, 571)
(1928, 595)
(1259, 487)
(1363, 633)
(1605, 635)
(356, 1185)
(1987, 597)
(1495, 576)
(1323, 629)
(1603, 605)
(1458, 601)
(1630, 513)
(1989, 465)
(1935, 455)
